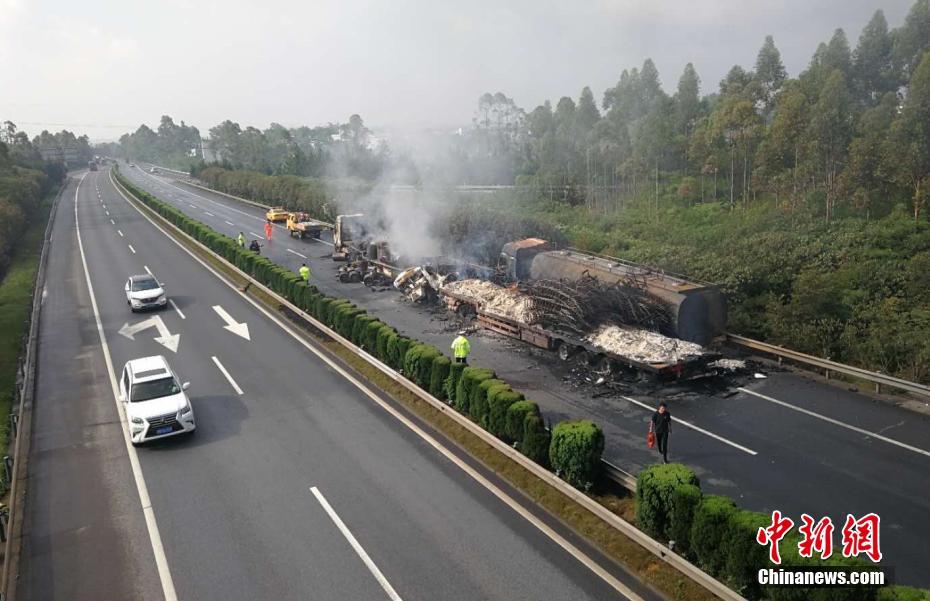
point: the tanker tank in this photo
(698, 310)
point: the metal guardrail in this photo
(613, 520)
(828, 366)
(20, 428)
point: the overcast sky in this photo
(102, 67)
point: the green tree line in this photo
(25, 179)
(849, 135)
(345, 150)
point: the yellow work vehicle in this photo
(276, 214)
(300, 225)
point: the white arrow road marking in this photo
(239, 329)
(165, 338)
(228, 377)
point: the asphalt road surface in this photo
(296, 484)
(785, 442)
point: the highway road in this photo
(297, 483)
(786, 442)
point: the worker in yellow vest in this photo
(461, 348)
(304, 272)
(240, 239)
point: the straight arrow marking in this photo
(239, 329)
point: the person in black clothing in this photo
(662, 425)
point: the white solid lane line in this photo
(391, 593)
(257, 235)
(132, 249)
(228, 377)
(120, 232)
(696, 428)
(149, 271)
(836, 422)
(554, 536)
(296, 253)
(161, 561)
(175, 307)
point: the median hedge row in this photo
(572, 448)
(721, 538)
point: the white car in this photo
(144, 292)
(156, 405)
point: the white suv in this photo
(156, 406)
(144, 292)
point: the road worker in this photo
(461, 348)
(269, 230)
(304, 272)
(241, 240)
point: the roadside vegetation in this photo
(26, 188)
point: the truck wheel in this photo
(465, 310)
(565, 350)
(604, 366)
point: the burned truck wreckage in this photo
(608, 314)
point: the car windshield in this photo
(146, 284)
(153, 389)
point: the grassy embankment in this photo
(15, 305)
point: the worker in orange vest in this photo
(268, 230)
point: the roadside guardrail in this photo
(657, 548)
(879, 379)
(20, 418)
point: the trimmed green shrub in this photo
(401, 345)
(371, 336)
(359, 328)
(471, 377)
(654, 488)
(575, 452)
(709, 530)
(438, 377)
(418, 363)
(744, 555)
(425, 366)
(478, 402)
(500, 398)
(685, 499)
(516, 415)
(383, 341)
(903, 593)
(536, 440)
(452, 381)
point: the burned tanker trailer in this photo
(607, 313)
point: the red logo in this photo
(817, 537)
(773, 534)
(859, 536)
